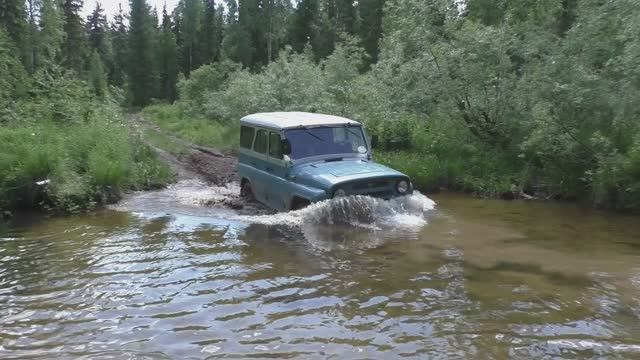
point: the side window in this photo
(246, 136)
(261, 142)
(274, 145)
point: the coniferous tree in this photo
(74, 46)
(168, 57)
(142, 79)
(371, 13)
(30, 39)
(304, 26)
(219, 31)
(208, 36)
(119, 42)
(51, 34)
(98, 30)
(97, 75)
(13, 18)
(279, 13)
(249, 20)
(190, 27)
(236, 44)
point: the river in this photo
(162, 275)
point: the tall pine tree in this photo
(13, 17)
(120, 46)
(209, 34)
(142, 77)
(371, 13)
(191, 21)
(51, 34)
(99, 40)
(168, 57)
(75, 41)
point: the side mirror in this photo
(285, 145)
(374, 141)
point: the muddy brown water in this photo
(162, 276)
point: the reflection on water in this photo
(167, 278)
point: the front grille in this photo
(380, 194)
(375, 188)
(370, 185)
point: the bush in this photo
(78, 143)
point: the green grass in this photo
(165, 143)
(198, 130)
(87, 163)
(482, 175)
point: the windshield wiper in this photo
(312, 134)
(348, 128)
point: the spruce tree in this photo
(142, 77)
(51, 34)
(209, 42)
(97, 76)
(219, 31)
(13, 17)
(98, 30)
(190, 27)
(303, 29)
(236, 42)
(75, 42)
(168, 57)
(371, 13)
(120, 46)
(30, 39)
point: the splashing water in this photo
(376, 218)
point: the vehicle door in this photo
(258, 161)
(278, 190)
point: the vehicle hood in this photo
(327, 174)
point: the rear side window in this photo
(246, 136)
(274, 146)
(261, 142)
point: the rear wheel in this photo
(245, 190)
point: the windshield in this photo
(317, 141)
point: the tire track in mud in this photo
(190, 161)
(208, 164)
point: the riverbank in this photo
(82, 156)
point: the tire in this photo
(246, 192)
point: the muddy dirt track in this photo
(211, 165)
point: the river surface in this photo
(162, 275)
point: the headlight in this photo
(339, 193)
(402, 187)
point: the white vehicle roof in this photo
(287, 120)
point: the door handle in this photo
(269, 169)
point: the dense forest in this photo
(492, 97)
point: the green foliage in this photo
(12, 78)
(167, 55)
(59, 131)
(97, 75)
(141, 70)
(199, 130)
(74, 47)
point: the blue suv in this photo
(288, 160)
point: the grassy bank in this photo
(86, 164)
(62, 149)
(197, 130)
